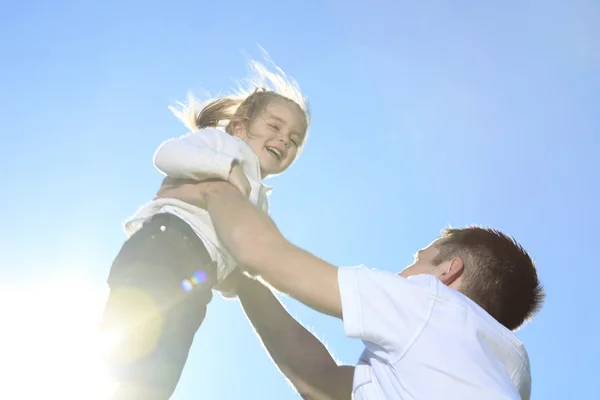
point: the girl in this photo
(161, 280)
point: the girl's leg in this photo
(149, 314)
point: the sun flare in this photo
(49, 345)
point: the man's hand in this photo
(189, 191)
(230, 286)
(194, 192)
(238, 178)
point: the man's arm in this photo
(254, 240)
(298, 354)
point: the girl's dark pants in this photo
(151, 313)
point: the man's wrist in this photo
(214, 189)
(248, 287)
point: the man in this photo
(438, 330)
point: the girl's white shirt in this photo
(200, 155)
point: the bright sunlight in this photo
(49, 348)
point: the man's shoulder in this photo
(475, 313)
(373, 283)
(427, 281)
(474, 321)
(385, 276)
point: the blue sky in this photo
(424, 114)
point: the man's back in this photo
(426, 341)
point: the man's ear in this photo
(451, 271)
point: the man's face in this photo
(423, 261)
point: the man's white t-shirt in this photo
(425, 341)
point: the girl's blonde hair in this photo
(245, 103)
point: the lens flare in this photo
(198, 278)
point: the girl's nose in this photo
(285, 141)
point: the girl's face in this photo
(274, 135)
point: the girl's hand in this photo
(238, 178)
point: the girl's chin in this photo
(269, 170)
(266, 173)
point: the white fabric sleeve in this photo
(263, 200)
(385, 310)
(204, 154)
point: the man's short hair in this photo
(499, 275)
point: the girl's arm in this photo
(205, 154)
